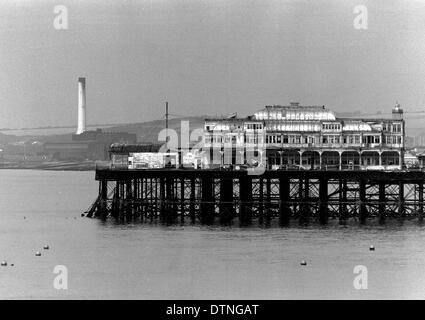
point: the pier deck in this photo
(210, 196)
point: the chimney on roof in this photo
(294, 104)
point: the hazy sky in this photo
(206, 57)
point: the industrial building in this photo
(86, 145)
(92, 145)
(305, 137)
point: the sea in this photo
(115, 260)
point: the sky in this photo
(206, 57)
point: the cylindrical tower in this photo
(397, 112)
(81, 105)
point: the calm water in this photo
(141, 261)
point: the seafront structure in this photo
(356, 172)
(307, 137)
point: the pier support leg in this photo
(401, 209)
(304, 200)
(207, 203)
(260, 200)
(323, 201)
(421, 201)
(170, 201)
(162, 198)
(102, 209)
(284, 209)
(121, 200)
(192, 200)
(382, 200)
(128, 204)
(362, 204)
(115, 201)
(268, 200)
(182, 200)
(342, 206)
(245, 194)
(226, 201)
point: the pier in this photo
(224, 196)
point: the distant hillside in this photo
(6, 138)
(148, 131)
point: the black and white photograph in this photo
(212, 150)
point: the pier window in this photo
(311, 158)
(390, 158)
(334, 139)
(371, 139)
(397, 127)
(291, 158)
(385, 127)
(331, 126)
(217, 139)
(370, 158)
(294, 139)
(350, 159)
(330, 158)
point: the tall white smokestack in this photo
(81, 105)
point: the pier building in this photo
(306, 137)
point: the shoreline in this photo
(52, 166)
